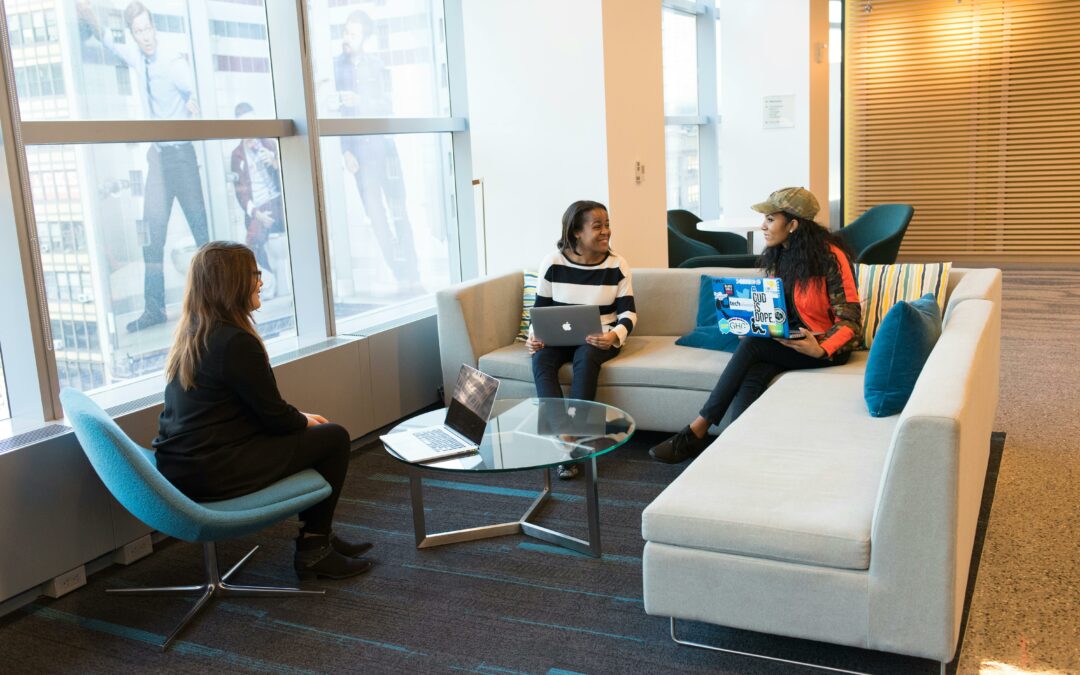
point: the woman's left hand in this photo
(603, 341)
(807, 345)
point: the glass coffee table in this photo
(527, 435)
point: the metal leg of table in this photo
(522, 525)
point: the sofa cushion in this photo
(528, 299)
(647, 361)
(904, 340)
(882, 286)
(801, 492)
(706, 334)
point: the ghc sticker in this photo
(739, 326)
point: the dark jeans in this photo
(379, 176)
(752, 367)
(172, 173)
(587, 361)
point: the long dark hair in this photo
(220, 282)
(573, 221)
(806, 255)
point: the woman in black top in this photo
(225, 430)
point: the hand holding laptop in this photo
(804, 343)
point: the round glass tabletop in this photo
(534, 433)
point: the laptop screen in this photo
(474, 396)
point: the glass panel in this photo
(389, 205)
(155, 59)
(385, 60)
(118, 224)
(683, 170)
(5, 412)
(680, 63)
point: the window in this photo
(118, 221)
(690, 108)
(118, 209)
(5, 411)
(389, 197)
(178, 49)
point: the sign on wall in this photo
(778, 112)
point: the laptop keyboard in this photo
(437, 439)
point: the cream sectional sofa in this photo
(806, 517)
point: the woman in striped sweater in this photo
(583, 270)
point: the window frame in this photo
(708, 118)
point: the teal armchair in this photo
(130, 474)
(685, 241)
(876, 235)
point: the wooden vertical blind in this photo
(969, 110)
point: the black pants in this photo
(752, 367)
(172, 173)
(587, 361)
(325, 448)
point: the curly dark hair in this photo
(807, 254)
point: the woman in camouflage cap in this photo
(819, 281)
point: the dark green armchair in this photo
(875, 236)
(685, 241)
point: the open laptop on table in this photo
(753, 306)
(565, 325)
(461, 433)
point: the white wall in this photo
(764, 48)
(537, 119)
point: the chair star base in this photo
(214, 585)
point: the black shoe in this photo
(316, 557)
(680, 447)
(567, 471)
(349, 549)
(147, 320)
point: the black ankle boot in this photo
(316, 557)
(349, 549)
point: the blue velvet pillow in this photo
(901, 346)
(707, 334)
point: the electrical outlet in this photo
(132, 551)
(66, 582)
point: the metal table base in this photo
(522, 525)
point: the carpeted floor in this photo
(505, 605)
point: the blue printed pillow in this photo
(707, 334)
(901, 346)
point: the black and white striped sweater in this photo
(607, 284)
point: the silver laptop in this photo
(565, 325)
(461, 433)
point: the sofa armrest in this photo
(476, 317)
(931, 490)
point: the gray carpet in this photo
(503, 605)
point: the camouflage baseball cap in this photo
(795, 200)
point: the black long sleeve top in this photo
(205, 434)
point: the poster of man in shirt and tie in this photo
(165, 83)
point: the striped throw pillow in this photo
(882, 286)
(528, 297)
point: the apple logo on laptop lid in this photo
(566, 326)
